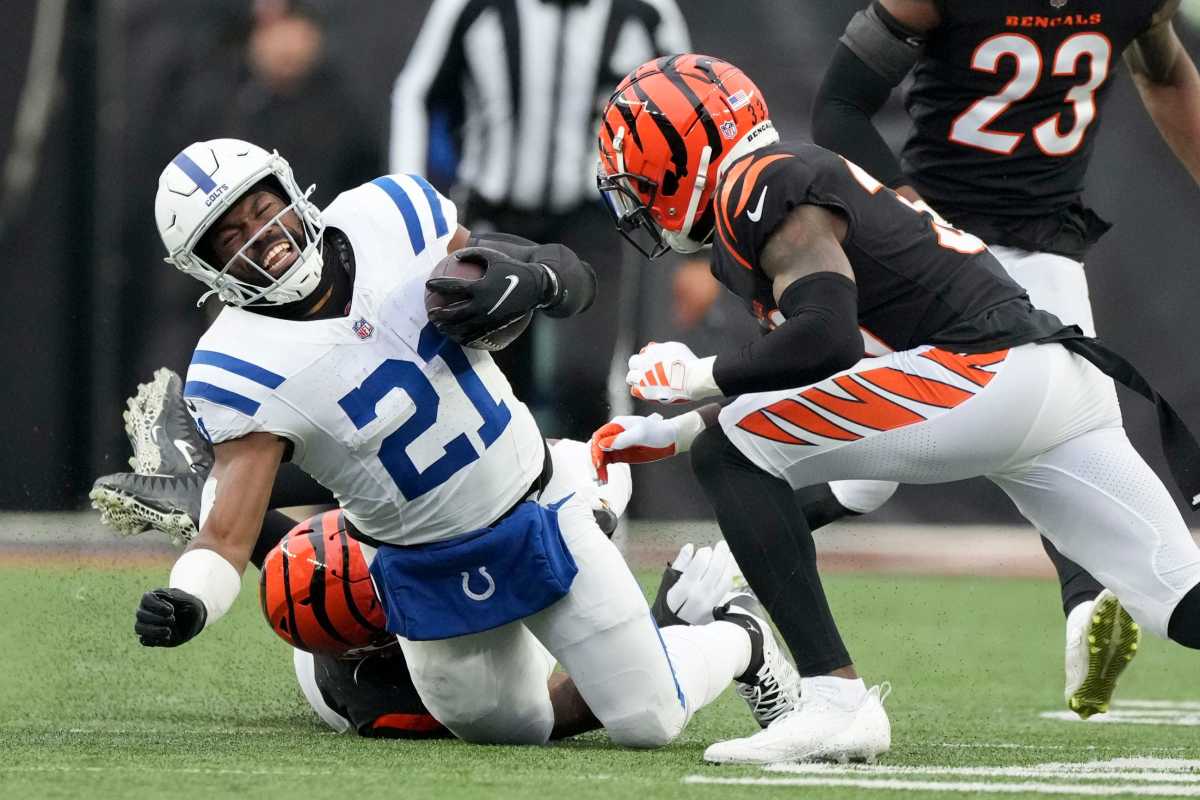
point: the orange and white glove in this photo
(669, 372)
(640, 440)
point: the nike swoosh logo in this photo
(189, 452)
(756, 214)
(513, 280)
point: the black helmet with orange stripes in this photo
(665, 135)
(316, 590)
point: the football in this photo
(451, 267)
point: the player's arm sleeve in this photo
(428, 107)
(871, 59)
(819, 338)
(573, 281)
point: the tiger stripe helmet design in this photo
(667, 132)
(316, 590)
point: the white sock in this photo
(843, 692)
(706, 658)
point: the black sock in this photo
(770, 539)
(1078, 585)
(820, 506)
(1184, 626)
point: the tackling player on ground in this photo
(315, 587)
(971, 379)
(1006, 103)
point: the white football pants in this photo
(1040, 422)
(490, 687)
(1055, 283)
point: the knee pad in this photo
(862, 497)
(1184, 627)
(649, 728)
(497, 724)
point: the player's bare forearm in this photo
(1167, 80)
(245, 472)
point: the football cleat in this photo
(161, 431)
(822, 727)
(132, 503)
(1101, 641)
(770, 685)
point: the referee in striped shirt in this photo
(498, 105)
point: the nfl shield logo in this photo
(364, 329)
(729, 129)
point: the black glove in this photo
(169, 617)
(508, 289)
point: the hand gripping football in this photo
(476, 328)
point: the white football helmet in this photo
(206, 180)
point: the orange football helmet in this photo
(316, 590)
(667, 132)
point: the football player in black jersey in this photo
(968, 378)
(1006, 101)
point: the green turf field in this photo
(85, 712)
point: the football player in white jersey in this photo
(325, 355)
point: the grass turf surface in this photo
(86, 712)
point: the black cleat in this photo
(161, 431)
(132, 503)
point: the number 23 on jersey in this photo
(973, 126)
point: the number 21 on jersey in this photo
(971, 127)
(359, 405)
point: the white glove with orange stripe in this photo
(640, 440)
(669, 372)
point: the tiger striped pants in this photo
(1040, 422)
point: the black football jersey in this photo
(376, 694)
(1007, 100)
(919, 281)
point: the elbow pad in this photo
(882, 43)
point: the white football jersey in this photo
(418, 439)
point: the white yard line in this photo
(977, 787)
(1147, 770)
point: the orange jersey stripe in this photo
(968, 366)
(805, 418)
(760, 424)
(731, 178)
(728, 244)
(752, 178)
(916, 387)
(869, 409)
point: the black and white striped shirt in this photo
(502, 97)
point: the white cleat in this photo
(770, 685)
(822, 727)
(1101, 641)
